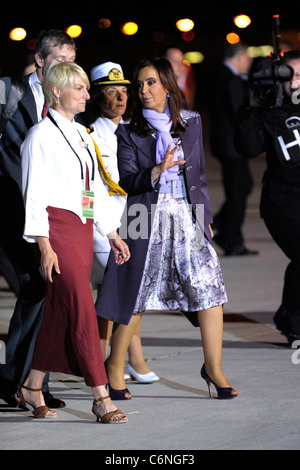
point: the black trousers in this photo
(28, 312)
(238, 184)
(280, 209)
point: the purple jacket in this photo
(136, 158)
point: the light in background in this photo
(242, 21)
(104, 23)
(185, 24)
(232, 38)
(17, 34)
(260, 51)
(74, 31)
(130, 28)
(193, 57)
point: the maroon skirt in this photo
(69, 340)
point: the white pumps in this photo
(142, 378)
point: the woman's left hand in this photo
(166, 163)
(49, 260)
(119, 248)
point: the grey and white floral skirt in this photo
(182, 270)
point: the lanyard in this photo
(85, 146)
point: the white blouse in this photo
(51, 176)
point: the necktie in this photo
(45, 109)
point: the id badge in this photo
(87, 203)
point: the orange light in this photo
(129, 28)
(17, 34)
(74, 31)
(104, 23)
(242, 21)
(185, 24)
(232, 38)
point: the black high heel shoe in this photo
(224, 393)
(114, 393)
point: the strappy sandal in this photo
(108, 418)
(41, 411)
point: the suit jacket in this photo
(227, 95)
(11, 232)
(136, 158)
(28, 311)
(15, 131)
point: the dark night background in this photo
(213, 20)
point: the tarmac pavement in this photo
(176, 414)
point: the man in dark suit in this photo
(228, 93)
(22, 105)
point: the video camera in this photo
(267, 76)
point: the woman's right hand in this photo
(49, 258)
(119, 247)
(166, 163)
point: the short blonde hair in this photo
(61, 75)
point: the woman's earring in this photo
(57, 102)
(168, 95)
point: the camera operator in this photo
(275, 130)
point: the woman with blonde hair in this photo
(64, 197)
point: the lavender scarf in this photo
(161, 122)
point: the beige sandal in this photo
(107, 418)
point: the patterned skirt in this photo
(182, 270)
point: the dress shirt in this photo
(38, 94)
(51, 176)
